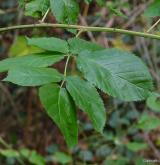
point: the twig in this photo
(83, 22)
(44, 17)
(136, 13)
(153, 26)
(150, 143)
(84, 28)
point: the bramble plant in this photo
(116, 72)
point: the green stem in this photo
(67, 62)
(65, 70)
(83, 28)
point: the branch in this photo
(83, 28)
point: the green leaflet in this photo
(29, 155)
(153, 10)
(101, 2)
(148, 122)
(50, 44)
(10, 153)
(78, 45)
(136, 146)
(20, 48)
(60, 108)
(87, 98)
(65, 11)
(35, 60)
(36, 8)
(31, 76)
(153, 102)
(21, 3)
(115, 11)
(32, 156)
(62, 158)
(88, 1)
(118, 73)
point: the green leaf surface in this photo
(61, 157)
(65, 11)
(116, 11)
(9, 153)
(101, 2)
(32, 156)
(20, 48)
(21, 3)
(36, 8)
(78, 45)
(50, 44)
(30, 76)
(119, 160)
(35, 60)
(153, 10)
(88, 1)
(148, 122)
(36, 158)
(87, 98)
(153, 102)
(61, 109)
(136, 146)
(118, 73)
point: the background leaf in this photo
(65, 11)
(36, 8)
(61, 157)
(153, 10)
(153, 102)
(136, 146)
(9, 153)
(21, 3)
(148, 122)
(32, 156)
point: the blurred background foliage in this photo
(132, 131)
